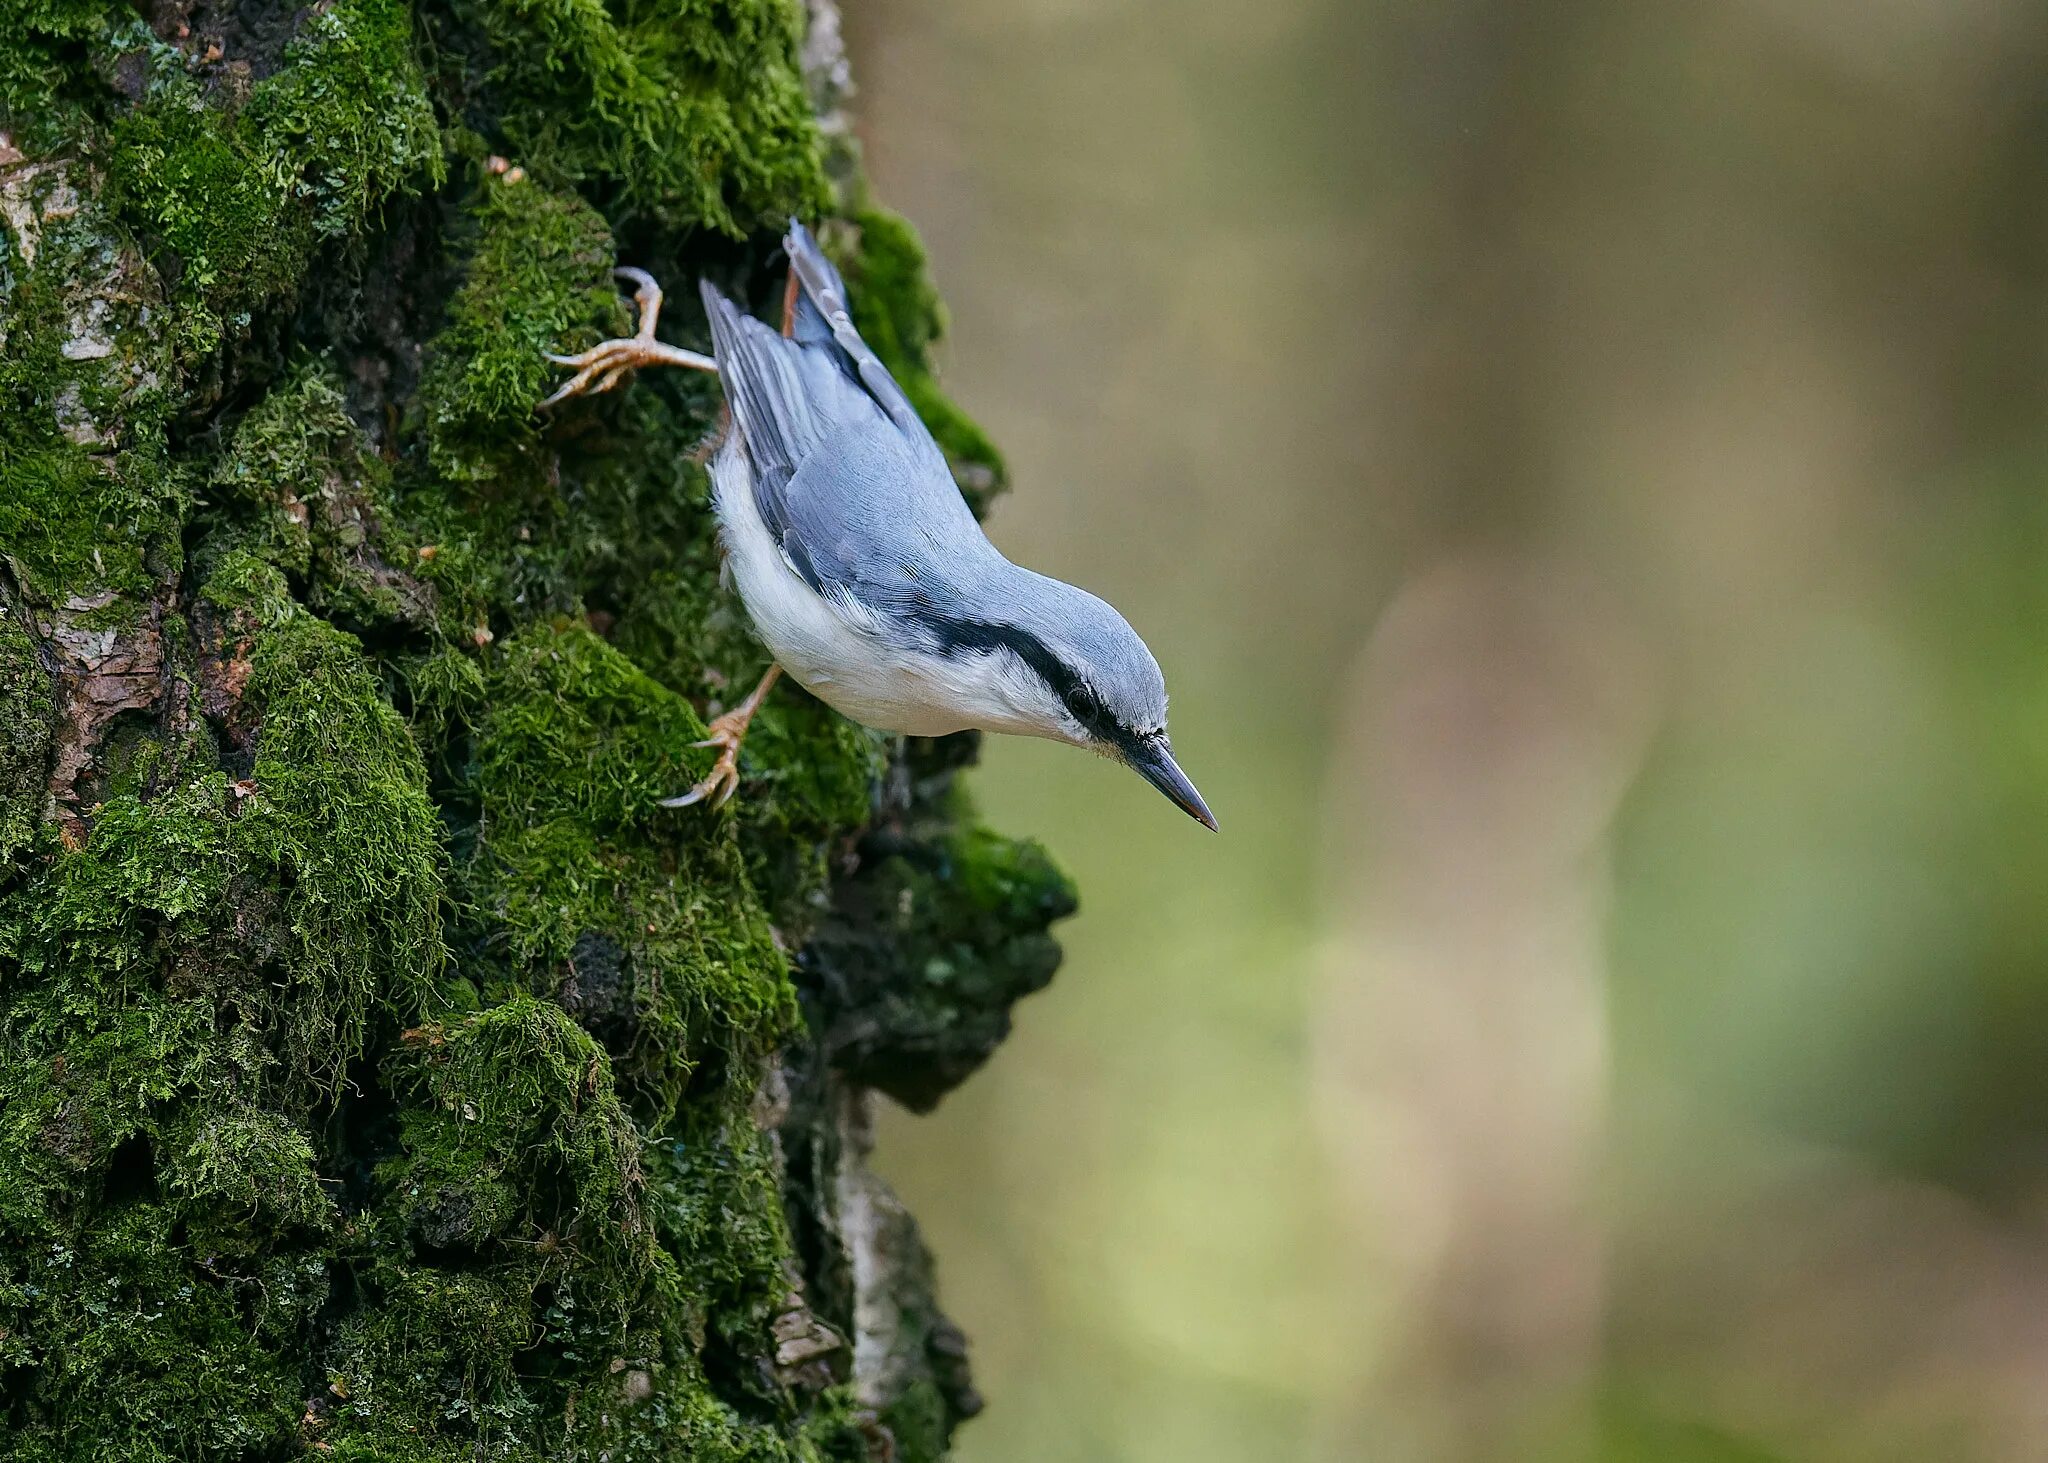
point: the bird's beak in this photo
(1153, 760)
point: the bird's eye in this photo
(1083, 703)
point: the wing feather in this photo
(845, 476)
(772, 412)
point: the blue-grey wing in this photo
(876, 528)
(857, 496)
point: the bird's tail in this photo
(821, 316)
(821, 293)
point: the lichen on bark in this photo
(384, 1073)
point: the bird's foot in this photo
(727, 732)
(604, 366)
(724, 778)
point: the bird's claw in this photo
(723, 780)
(602, 367)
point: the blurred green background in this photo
(1582, 467)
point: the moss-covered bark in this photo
(384, 1073)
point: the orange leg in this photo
(789, 293)
(727, 732)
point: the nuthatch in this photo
(859, 562)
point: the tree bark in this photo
(384, 1073)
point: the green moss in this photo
(328, 870)
(252, 589)
(811, 781)
(445, 691)
(689, 113)
(518, 1158)
(639, 532)
(682, 1418)
(76, 523)
(513, 1132)
(199, 1356)
(198, 184)
(27, 717)
(89, 498)
(306, 494)
(901, 316)
(149, 875)
(578, 735)
(349, 114)
(718, 1203)
(43, 58)
(338, 822)
(252, 1166)
(153, 1224)
(940, 932)
(31, 328)
(424, 1367)
(538, 279)
(640, 917)
(920, 1423)
(194, 176)
(237, 197)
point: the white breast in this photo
(838, 658)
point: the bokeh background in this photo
(1584, 467)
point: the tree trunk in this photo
(384, 1073)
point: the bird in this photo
(860, 564)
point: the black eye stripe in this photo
(1062, 679)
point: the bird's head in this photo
(1073, 670)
